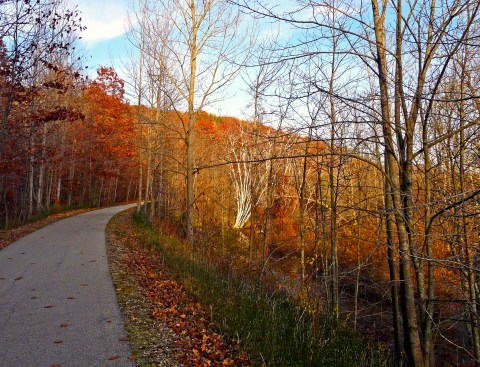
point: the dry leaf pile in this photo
(194, 339)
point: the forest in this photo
(351, 184)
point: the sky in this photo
(104, 40)
(106, 44)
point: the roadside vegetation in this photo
(166, 324)
(272, 327)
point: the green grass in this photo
(272, 327)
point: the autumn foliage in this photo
(69, 142)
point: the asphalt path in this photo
(57, 301)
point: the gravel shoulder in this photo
(153, 343)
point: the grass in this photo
(274, 329)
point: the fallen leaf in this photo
(83, 285)
(132, 358)
(112, 358)
(49, 306)
(70, 297)
(64, 325)
(18, 278)
(172, 303)
(124, 339)
(58, 341)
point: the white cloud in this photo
(104, 19)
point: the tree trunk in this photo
(409, 315)
(41, 171)
(191, 124)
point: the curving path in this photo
(57, 301)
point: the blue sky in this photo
(104, 39)
(105, 19)
(106, 44)
(107, 52)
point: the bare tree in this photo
(203, 37)
(409, 48)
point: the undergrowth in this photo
(272, 327)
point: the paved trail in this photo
(57, 300)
